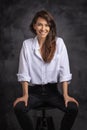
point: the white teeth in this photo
(43, 33)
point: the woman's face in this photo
(42, 28)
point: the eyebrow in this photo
(42, 23)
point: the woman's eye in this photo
(47, 25)
(39, 24)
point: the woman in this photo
(43, 64)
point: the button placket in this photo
(43, 79)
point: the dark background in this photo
(71, 21)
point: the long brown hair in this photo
(49, 46)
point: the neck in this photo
(41, 41)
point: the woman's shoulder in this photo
(28, 41)
(59, 42)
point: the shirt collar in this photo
(36, 47)
(36, 44)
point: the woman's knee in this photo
(72, 107)
(20, 107)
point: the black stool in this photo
(44, 122)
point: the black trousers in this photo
(46, 95)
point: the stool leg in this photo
(45, 123)
(41, 124)
(38, 124)
(42, 121)
(50, 123)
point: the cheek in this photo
(38, 28)
(48, 29)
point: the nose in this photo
(43, 27)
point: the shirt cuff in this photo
(66, 78)
(22, 77)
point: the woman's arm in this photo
(65, 88)
(25, 95)
(25, 88)
(66, 96)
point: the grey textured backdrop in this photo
(71, 21)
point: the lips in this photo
(43, 33)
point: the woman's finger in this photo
(17, 101)
(66, 103)
(76, 102)
(26, 103)
(14, 104)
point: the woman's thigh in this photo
(57, 101)
(33, 102)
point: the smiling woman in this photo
(42, 28)
(44, 63)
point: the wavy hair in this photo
(49, 46)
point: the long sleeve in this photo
(23, 72)
(64, 74)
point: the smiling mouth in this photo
(43, 33)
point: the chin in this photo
(43, 36)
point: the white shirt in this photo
(33, 69)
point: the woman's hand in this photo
(21, 99)
(70, 99)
